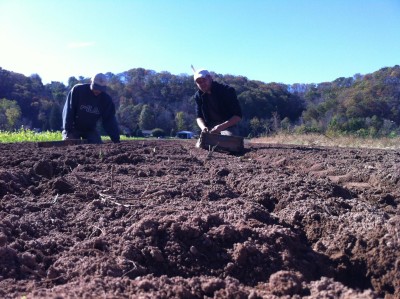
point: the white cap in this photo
(99, 82)
(201, 74)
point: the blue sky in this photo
(286, 41)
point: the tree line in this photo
(364, 105)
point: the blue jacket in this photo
(226, 101)
(83, 109)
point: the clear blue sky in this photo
(287, 41)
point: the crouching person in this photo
(86, 104)
(217, 107)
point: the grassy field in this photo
(28, 136)
(306, 139)
(322, 140)
(32, 136)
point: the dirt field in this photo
(162, 219)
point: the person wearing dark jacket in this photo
(86, 104)
(217, 107)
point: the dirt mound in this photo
(163, 219)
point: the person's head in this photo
(203, 80)
(98, 83)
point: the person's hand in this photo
(216, 130)
(205, 130)
(65, 135)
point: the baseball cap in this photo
(99, 82)
(201, 74)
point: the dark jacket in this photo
(226, 101)
(83, 109)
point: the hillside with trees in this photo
(364, 105)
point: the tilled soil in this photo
(163, 219)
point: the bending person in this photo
(86, 104)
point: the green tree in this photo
(128, 116)
(72, 81)
(146, 118)
(55, 118)
(10, 114)
(180, 121)
(157, 132)
(56, 91)
(163, 118)
(255, 126)
(285, 125)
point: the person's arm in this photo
(231, 104)
(229, 123)
(201, 124)
(199, 113)
(68, 112)
(111, 128)
(110, 124)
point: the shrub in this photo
(157, 132)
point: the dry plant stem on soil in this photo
(211, 150)
(145, 190)
(113, 200)
(55, 198)
(97, 228)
